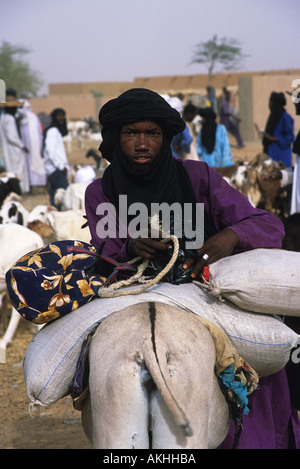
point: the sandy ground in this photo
(58, 426)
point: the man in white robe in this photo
(13, 149)
(32, 136)
(295, 202)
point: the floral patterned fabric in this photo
(53, 281)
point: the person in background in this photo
(211, 98)
(182, 142)
(234, 113)
(13, 149)
(212, 142)
(32, 136)
(278, 136)
(295, 202)
(226, 118)
(55, 156)
(291, 175)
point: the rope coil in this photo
(110, 291)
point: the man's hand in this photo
(216, 247)
(146, 247)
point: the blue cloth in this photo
(221, 156)
(272, 422)
(182, 140)
(240, 391)
(282, 150)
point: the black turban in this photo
(63, 128)
(209, 128)
(277, 102)
(207, 113)
(166, 179)
(135, 105)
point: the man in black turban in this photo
(168, 180)
(162, 179)
(137, 130)
(137, 104)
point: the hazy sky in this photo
(118, 40)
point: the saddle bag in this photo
(58, 278)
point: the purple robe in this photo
(269, 423)
(224, 205)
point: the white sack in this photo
(263, 280)
(51, 357)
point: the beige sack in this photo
(50, 360)
(263, 280)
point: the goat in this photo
(9, 184)
(13, 212)
(92, 153)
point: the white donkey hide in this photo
(152, 382)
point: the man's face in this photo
(60, 118)
(141, 143)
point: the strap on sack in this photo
(118, 266)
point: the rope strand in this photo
(110, 292)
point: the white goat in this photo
(67, 225)
(13, 212)
(15, 241)
(71, 198)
